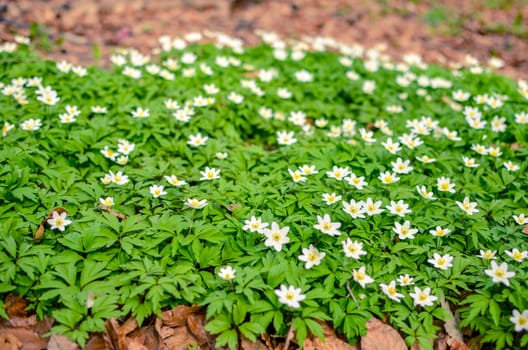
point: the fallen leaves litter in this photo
(178, 316)
(459, 345)
(15, 306)
(183, 327)
(331, 342)
(21, 338)
(60, 342)
(99, 341)
(196, 323)
(381, 336)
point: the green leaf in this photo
(228, 338)
(239, 312)
(301, 332)
(251, 330)
(67, 317)
(92, 271)
(495, 311)
(315, 328)
(217, 325)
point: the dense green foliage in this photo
(167, 253)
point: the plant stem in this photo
(351, 293)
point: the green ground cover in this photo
(274, 187)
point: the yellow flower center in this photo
(327, 225)
(500, 273)
(276, 236)
(312, 256)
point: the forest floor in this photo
(85, 32)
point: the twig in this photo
(113, 212)
(289, 337)
(352, 294)
(267, 340)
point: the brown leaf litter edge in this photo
(183, 327)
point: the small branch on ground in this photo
(113, 212)
(289, 338)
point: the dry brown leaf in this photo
(9, 342)
(39, 232)
(180, 338)
(246, 344)
(459, 345)
(195, 323)
(117, 337)
(60, 342)
(267, 340)
(43, 326)
(15, 306)
(233, 207)
(451, 324)
(148, 337)
(166, 332)
(16, 321)
(441, 342)
(251, 74)
(178, 316)
(99, 341)
(381, 336)
(331, 342)
(129, 326)
(475, 343)
(134, 344)
(29, 339)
